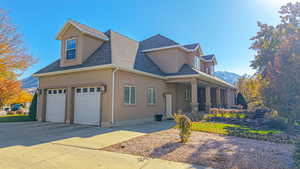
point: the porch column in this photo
(194, 103)
(70, 105)
(208, 97)
(226, 91)
(218, 97)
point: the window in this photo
(54, 91)
(60, 91)
(151, 98)
(78, 90)
(85, 90)
(92, 89)
(197, 62)
(187, 95)
(49, 91)
(129, 95)
(71, 49)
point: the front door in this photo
(201, 98)
(169, 105)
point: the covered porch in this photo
(198, 95)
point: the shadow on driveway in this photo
(33, 133)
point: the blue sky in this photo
(222, 27)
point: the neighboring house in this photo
(108, 79)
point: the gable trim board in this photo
(70, 22)
(173, 46)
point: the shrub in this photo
(10, 113)
(296, 154)
(240, 100)
(184, 124)
(33, 107)
(276, 123)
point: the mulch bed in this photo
(216, 151)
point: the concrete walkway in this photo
(38, 145)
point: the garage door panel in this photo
(56, 105)
(87, 106)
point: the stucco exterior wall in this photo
(79, 79)
(169, 60)
(123, 50)
(141, 110)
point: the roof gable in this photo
(82, 28)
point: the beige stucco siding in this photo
(141, 110)
(88, 46)
(169, 60)
(123, 50)
(86, 78)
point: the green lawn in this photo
(221, 128)
(15, 118)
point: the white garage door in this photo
(87, 105)
(56, 105)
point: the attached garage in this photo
(87, 105)
(56, 105)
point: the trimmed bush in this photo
(296, 154)
(184, 124)
(276, 123)
(33, 107)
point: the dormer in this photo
(171, 58)
(207, 64)
(78, 42)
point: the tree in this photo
(21, 97)
(250, 88)
(8, 90)
(240, 100)
(277, 60)
(14, 58)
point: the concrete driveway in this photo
(51, 145)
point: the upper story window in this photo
(71, 49)
(151, 99)
(197, 62)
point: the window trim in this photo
(197, 64)
(66, 48)
(129, 99)
(187, 95)
(153, 96)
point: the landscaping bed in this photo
(217, 151)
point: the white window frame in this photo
(187, 94)
(129, 100)
(66, 48)
(197, 64)
(151, 91)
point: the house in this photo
(109, 79)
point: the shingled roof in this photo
(184, 70)
(191, 46)
(208, 57)
(103, 55)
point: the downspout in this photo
(113, 96)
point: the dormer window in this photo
(197, 62)
(70, 49)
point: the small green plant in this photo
(184, 124)
(296, 154)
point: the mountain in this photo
(227, 76)
(32, 82)
(29, 82)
